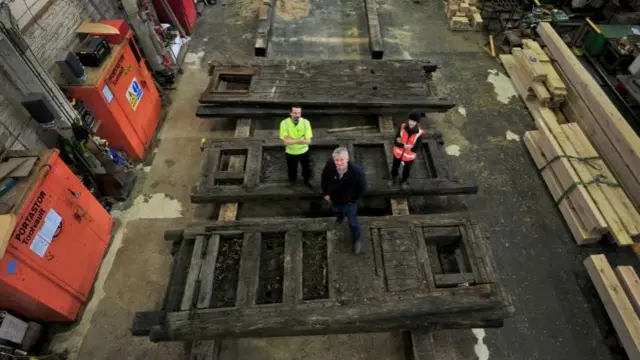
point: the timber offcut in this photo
(264, 174)
(333, 85)
(278, 277)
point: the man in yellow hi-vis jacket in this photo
(295, 132)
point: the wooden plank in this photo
(424, 259)
(332, 267)
(193, 275)
(253, 168)
(292, 292)
(599, 214)
(631, 284)
(376, 44)
(570, 214)
(385, 124)
(453, 279)
(541, 93)
(610, 122)
(249, 270)
(620, 310)
(179, 271)
(563, 171)
(209, 164)
(207, 272)
(620, 203)
(243, 128)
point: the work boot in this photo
(394, 180)
(339, 220)
(357, 247)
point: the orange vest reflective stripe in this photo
(400, 152)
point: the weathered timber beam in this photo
(208, 111)
(453, 279)
(322, 140)
(376, 44)
(311, 224)
(266, 13)
(422, 187)
(432, 103)
(436, 309)
(228, 175)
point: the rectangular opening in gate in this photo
(274, 163)
(225, 279)
(448, 256)
(271, 275)
(314, 265)
(234, 82)
(231, 162)
(372, 159)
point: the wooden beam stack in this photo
(589, 106)
(588, 195)
(541, 80)
(463, 15)
(621, 298)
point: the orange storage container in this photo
(56, 247)
(122, 95)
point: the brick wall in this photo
(48, 26)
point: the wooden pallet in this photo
(431, 174)
(399, 84)
(407, 278)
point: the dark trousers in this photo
(350, 211)
(292, 166)
(406, 170)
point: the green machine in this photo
(595, 43)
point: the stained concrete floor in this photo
(538, 262)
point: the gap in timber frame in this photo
(232, 80)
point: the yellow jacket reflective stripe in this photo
(300, 131)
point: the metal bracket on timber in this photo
(266, 13)
(334, 86)
(264, 175)
(376, 44)
(278, 277)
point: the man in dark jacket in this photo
(406, 147)
(343, 183)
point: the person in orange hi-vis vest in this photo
(406, 148)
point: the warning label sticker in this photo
(43, 238)
(134, 93)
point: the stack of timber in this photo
(463, 15)
(619, 291)
(587, 193)
(540, 79)
(591, 108)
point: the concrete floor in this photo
(539, 263)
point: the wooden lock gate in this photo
(323, 87)
(264, 174)
(286, 277)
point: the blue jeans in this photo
(350, 211)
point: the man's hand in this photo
(408, 147)
(328, 198)
(398, 139)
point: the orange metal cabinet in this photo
(61, 235)
(122, 95)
